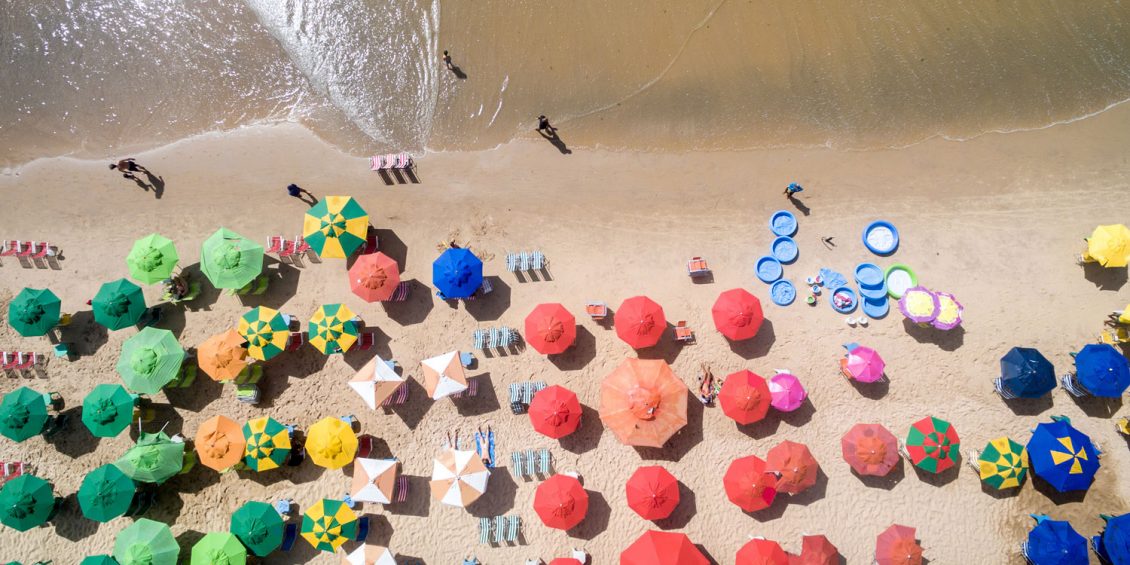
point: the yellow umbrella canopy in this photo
(335, 227)
(328, 525)
(266, 332)
(331, 443)
(332, 328)
(1109, 246)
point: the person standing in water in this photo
(447, 61)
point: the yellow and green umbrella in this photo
(266, 332)
(218, 548)
(23, 414)
(34, 311)
(230, 260)
(152, 259)
(118, 304)
(1003, 463)
(332, 328)
(1109, 246)
(149, 360)
(146, 542)
(331, 443)
(329, 524)
(335, 227)
(267, 444)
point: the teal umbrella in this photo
(99, 560)
(34, 312)
(259, 527)
(26, 502)
(118, 304)
(108, 410)
(149, 360)
(23, 413)
(106, 493)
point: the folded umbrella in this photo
(23, 414)
(259, 527)
(457, 273)
(119, 304)
(898, 546)
(640, 322)
(335, 227)
(749, 484)
(653, 493)
(745, 397)
(870, 449)
(561, 502)
(33, 312)
(146, 542)
(555, 412)
(1026, 373)
(152, 259)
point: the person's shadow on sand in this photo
(157, 183)
(459, 74)
(557, 142)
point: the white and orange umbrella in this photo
(458, 477)
(373, 480)
(366, 554)
(375, 382)
(443, 375)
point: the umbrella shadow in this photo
(499, 497)
(945, 340)
(681, 516)
(418, 502)
(392, 245)
(681, 443)
(413, 409)
(937, 479)
(187, 539)
(491, 306)
(885, 482)
(1000, 494)
(194, 481)
(801, 415)
(70, 523)
(759, 345)
(167, 506)
(83, 334)
(872, 391)
(667, 350)
(710, 558)
(1105, 278)
(356, 358)
(198, 395)
(760, 429)
(413, 309)
(1029, 406)
(208, 293)
(282, 285)
(579, 355)
(1058, 498)
(1097, 406)
(587, 436)
(300, 363)
(69, 440)
(380, 530)
(301, 553)
(596, 519)
(486, 400)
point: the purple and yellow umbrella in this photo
(919, 305)
(949, 312)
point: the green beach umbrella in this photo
(335, 227)
(106, 493)
(23, 413)
(26, 502)
(219, 548)
(230, 260)
(154, 459)
(259, 527)
(146, 543)
(99, 560)
(149, 360)
(34, 312)
(267, 444)
(108, 410)
(152, 259)
(118, 304)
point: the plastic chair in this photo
(401, 292)
(478, 338)
(368, 339)
(362, 528)
(683, 333)
(516, 405)
(290, 535)
(544, 464)
(516, 464)
(499, 528)
(248, 394)
(371, 242)
(300, 245)
(296, 340)
(697, 267)
(515, 525)
(274, 244)
(596, 310)
(11, 247)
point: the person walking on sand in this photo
(127, 167)
(792, 189)
(545, 126)
(447, 61)
(297, 192)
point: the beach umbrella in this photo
(863, 364)
(749, 484)
(266, 332)
(331, 443)
(373, 480)
(33, 312)
(949, 312)
(933, 444)
(745, 397)
(458, 477)
(328, 524)
(662, 548)
(565, 561)
(870, 449)
(1114, 543)
(154, 459)
(259, 527)
(374, 277)
(1055, 542)
(108, 410)
(223, 356)
(652, 492)
(335, 227)
(457, 273)
(149, 360)
(640, 322)
(106, 493)
(152, 259)
(817, 550)
(643, 402)
(760, 551)
(897, 546)
(26, 502)
(146, 542)
(218, 548)
(555, 412)
(366, 554)
(919, 305)
(333, 329)
(786, 392)
(230, 260)
(1109, 246)
(23, 413)
(443, 375)
(1124, 315)
(1003, 463)
(550, 329)
(98, 560)
(375, 382)
(1063, 456)
(796, 465)
(119, 304)
(266, 444)
(1026, 373)
(1102, 370)
(737, 314)
(219, 443)
(561, 502)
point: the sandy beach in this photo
(995, 220)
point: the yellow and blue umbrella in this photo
(267, 444)
(328, 525)
(335, 227)
(266, 332)
(1063, 456)
(1109, 246)
(1003, 463)
(332, 328)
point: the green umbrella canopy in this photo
(26, 502)
(152, 259)
(219, 548)
(106, 493)
(259, 527)
(34, 312)
(230, 260)
(146, 543)
(149, 360)
(154, 459)
(99, 560)
(118, 304)
(108, 410)
(23, 413)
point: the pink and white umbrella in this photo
(863, 364)
(787, 392)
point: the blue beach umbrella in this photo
(1055, 542)
(457, 273)
(1026, 373)
(1102, 370)
(1063, 456)
(1114, 543)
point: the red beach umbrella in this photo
(561, 502)
(745, 397)
(640, 322)
(870, 449)
(897, 546)
(565, 561)
(796, 465)
(749, 484)
(653, 493)
(555, 412)
(817, 550)
(762, 552)
(662, 548)
(737, 314)
(550, 329)
(374, 277)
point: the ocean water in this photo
(94, 78)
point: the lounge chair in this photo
(1072, 386)
(485, 288)
(371, 242)
(283, 506)
(248, 394)
(398, 397)
(516, 401)
(512, 262)
(499, 528)
(516, 466)
(683, 333)
(479, 339)
(185, 377)
(515, 526)
(531, 463)
(697, 267)
(300, 245)
(471, 390)
(998, 386)
(404, 161)
(274, 244)
(296, 340)
(349, 419)
(11, 248)
(596, 310)
(400, 490)
(492, 338)
(290, 535)
(537, 261)
(368, 339)
(523, 261)
(484, 530)
(544, 462)
(401, 292)
(250, 375)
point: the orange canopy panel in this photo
(870, 449)
(897, 546)
(374, 277)
(443, 375)
(643, 402)
(220, 443)
(749, 484)
(817, 550)
(222, 356)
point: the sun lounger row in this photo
(391, 161)
(495, 338)
(528, 463)
(523, 261)
(398, 397)
(18, 360)
(12, 469)
(521, 394)
(499, 529)
(33, 250)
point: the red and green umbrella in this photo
(933, 444)
(34, 312)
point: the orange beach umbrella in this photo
(796, 465)
(643, 402)
(640, 322)
(897, 546)
(220, 443)
(749, 484)
(374, 277)
(223, 356)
